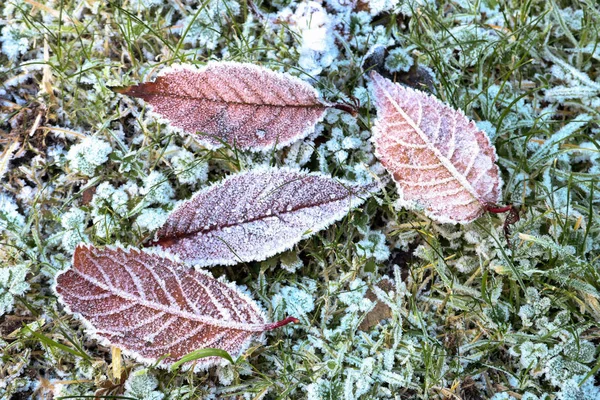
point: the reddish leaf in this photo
(244, 105)
(441, 162)
(255, 215)
(151, 305)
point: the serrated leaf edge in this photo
(358, 200)
(200, 365)
(255, 149)
(403, 203)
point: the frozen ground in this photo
(392, 305)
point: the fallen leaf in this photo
(381, 310)
(441, 162)
(151, 305)
(254, 215)
(244, 105)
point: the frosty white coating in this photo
(441, 162)
(150, 304)
(254, 215)
(244, 105)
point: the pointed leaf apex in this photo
(273, 209)
(441, 161)
(121, 89)
(239, 104)
(137, 301)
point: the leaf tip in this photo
(121, 89)
(375, 75)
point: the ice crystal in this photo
(536, 306)
(151, 218)
(379, 6)
(13, 43)
(157, 189)
(89, 154)
(12, 283)
(142, 385)
(226, 374)
(502, 396)
(107, 203)
(315, 28)
(398, 60)
(354, 297)
(576, 389)
(73, 219)
(373, 245)
(204, 24)
(291, 262)
(72, 237)
(10, 218)
(323, 389)
(296, 301)
(531, 354)
(188, 169)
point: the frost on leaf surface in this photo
(244, 105)
(255, 215)
(441, 162)
(151, 305)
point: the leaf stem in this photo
(345, 107)
(281, 323)
(498, 210)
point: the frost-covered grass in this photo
(467, 317)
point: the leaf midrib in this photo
(176, 96)
(139, 302)
(258, 218)
(462, 180)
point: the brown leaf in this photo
(254, 215)
(441, 162)
(88, 195)
(151, 305)
(381, 310)
(244, 105)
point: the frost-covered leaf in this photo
(151, 305)
(12, 283)
(244, 105)
(381, 310)
(441, 162)
(255, 215)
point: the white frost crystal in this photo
(71, 238)
(9, 214)
(12, 283)
(141, 385)
(398, 60)
(157, 189)
(13, 45)
(151, 218)
(73, 219)
(89, 154)
(373, 245)
(226, 374)
(315, 27)
(379, 6)
(188, 169)
(295, 301)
